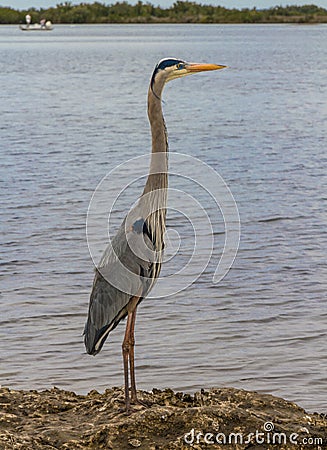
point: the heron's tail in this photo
(107, 307)
(94, 338)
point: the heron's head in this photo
(170, 68)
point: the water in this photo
(73, 107)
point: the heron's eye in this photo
(180, 66)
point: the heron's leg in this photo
(131, 358)
(126, 349)
(134, 398)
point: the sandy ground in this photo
(213, 419)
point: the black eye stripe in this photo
(168, 63)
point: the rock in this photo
(224, 418)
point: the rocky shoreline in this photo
(224, 418)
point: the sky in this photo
(24, 4)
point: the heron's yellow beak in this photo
(195, 67)
(181, 70)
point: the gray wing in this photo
(125, 270)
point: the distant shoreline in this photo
(179, 13)
(14, 25)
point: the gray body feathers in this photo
(128, 268)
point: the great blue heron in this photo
(132, 261)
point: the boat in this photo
(37, 27)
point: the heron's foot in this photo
(127, 409)
(137, 401)
(133, 405)
(130, 410)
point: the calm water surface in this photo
(73, 107)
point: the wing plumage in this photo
(126, 270)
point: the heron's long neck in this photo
(158, 176)
(155, 191)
